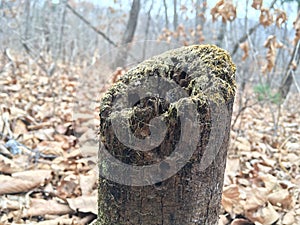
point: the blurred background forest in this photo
(58, 57)
(262, 36)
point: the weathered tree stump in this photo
(164, 129)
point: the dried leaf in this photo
(297, 29)
(51, 148)
(223, 220)
(60, 220)
(233, 165)
(281, 198)
(264, 215)
(39, 177)
(23, 181)
(265, 18)
(289, 218)
(117, 74)
(41, 207)
(8, 166)
(272, 44)
(257, 4)
(231, 198)
(68, 187)
(245, 47)
(224, 9)
(241, 222)
(183, 8)
(270, 182)
(111, 10)
(281, 17)
(84, 204)
(87, 182)
(19, 127)
(242, 144)
(256, 198)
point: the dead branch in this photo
(91, 26)
(248, 33)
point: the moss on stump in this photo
(199, 76)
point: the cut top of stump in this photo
(199, 69)
(166, 88)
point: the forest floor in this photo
(48, 152)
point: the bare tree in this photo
(199, 17)
(128, 34)
(147, 29)
(175, 17)
(287, 80)
(166, 14)
(249, 32)
(221, 34)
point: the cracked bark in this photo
(191, 196)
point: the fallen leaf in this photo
(230, 199)
(289, 218)
(241, 222)
(40, 207)
(84, 204)
(8, 166)
(256, 198)
(23, 181)
(281, 198)
(264, 215)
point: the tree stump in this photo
(164, 129)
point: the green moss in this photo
(205, 72)
(203, 64)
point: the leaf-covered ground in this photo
(262, 176)
(48, 151)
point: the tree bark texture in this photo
(192, 194)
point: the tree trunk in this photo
(166, 14)
(164, 131)
(175, 16)
(128, 34)
(287, 80)
(221, 34)
(147, 30)
(199, 18)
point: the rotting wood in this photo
(200, 75)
